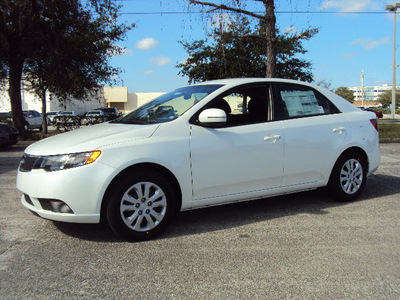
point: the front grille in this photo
(27, 163)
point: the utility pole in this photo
(362, 88)
(393, 8)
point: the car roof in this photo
(341, 104)
(237, 81)
(232, 82)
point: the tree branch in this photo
(224, 7)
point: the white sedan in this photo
(207, 144)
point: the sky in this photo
(354, 36)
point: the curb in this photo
(388, 141)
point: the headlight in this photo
(66, 161)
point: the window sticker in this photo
(301, 103)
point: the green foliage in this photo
(60, 46)
(239, 51)
(386, 98)
(66, 123)
(389, 130)
(345, 93)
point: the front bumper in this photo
(81, 189)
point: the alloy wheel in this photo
(351, 176)
(143, 206)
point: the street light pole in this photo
(393, 8)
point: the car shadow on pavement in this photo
(243, 213)
(312, 203)
(239, 214)
(89, 232)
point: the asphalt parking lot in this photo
(300, 246)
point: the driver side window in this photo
(245, 106)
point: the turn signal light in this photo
(93, 157)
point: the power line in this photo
(277, 12)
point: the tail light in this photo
(374, 123)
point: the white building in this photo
(109, 96)
(371, 94)
(32, 102)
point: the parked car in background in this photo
(93, 117)
(6, 117)
(192, 148)
(378, 113)
(52, 114)
(33, 120)
(65, 117)
(110, 113)
(94, 113)
(8, 135)
(68, 113)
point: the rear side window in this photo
(299, 101)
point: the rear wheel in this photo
(348, 177)
(141, 206)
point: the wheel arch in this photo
(356, 149)
(134, 168)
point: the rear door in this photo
(314, 133)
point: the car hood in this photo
(90, 138)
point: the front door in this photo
(244, 159)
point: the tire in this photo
(141, 205)
(348, 177)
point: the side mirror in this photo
(212, 116)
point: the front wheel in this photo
(141, 205)
(348, 177)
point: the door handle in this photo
(273, 138)
(338, 129)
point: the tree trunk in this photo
(44, 115)
(14, 91)
(270, 35)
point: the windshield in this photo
(169, 106)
